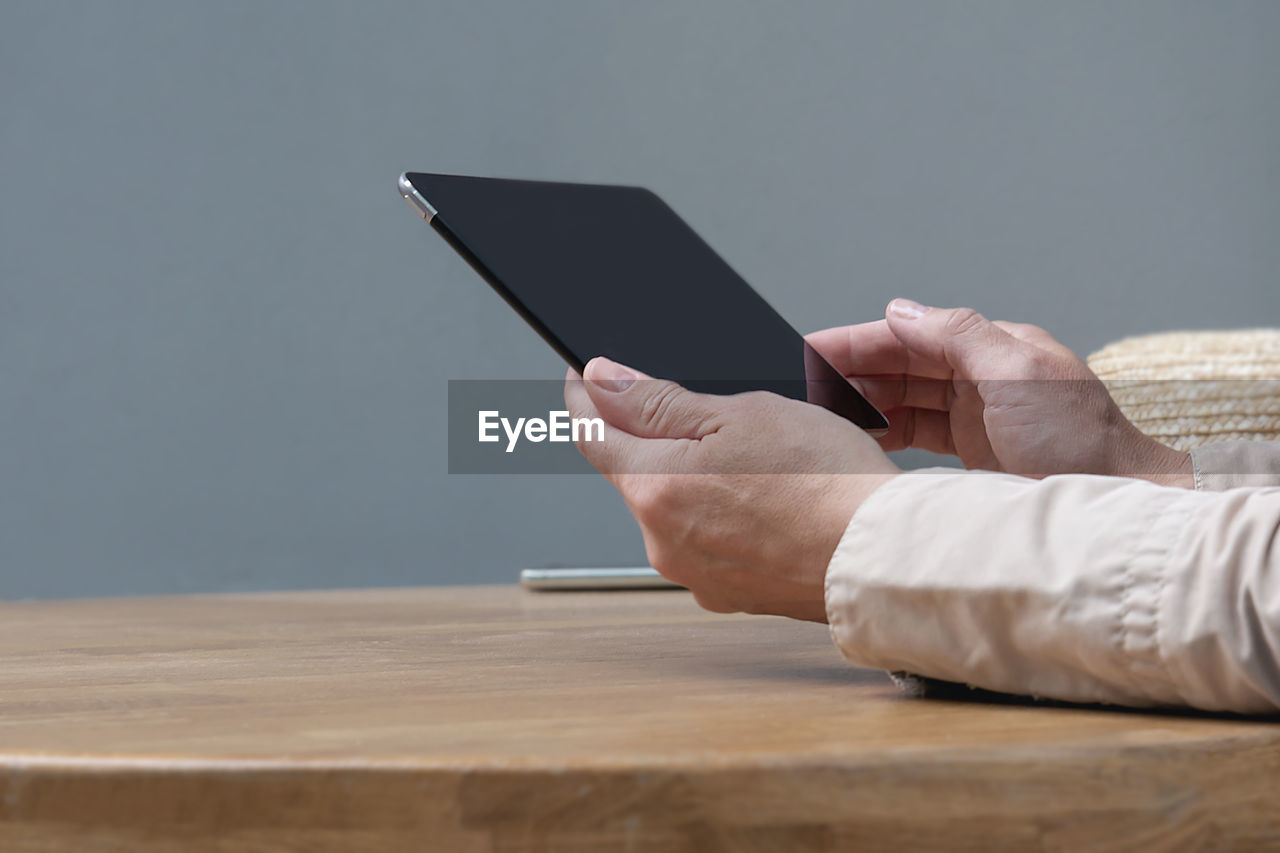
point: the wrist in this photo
(1173, 468)
(1160, 464)
(868, 484)
(854, 490)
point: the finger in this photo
(924, 429)
(906, 392)
(972, 443)
(649, 408)
(962, 339)
(1035, 336)
(860, 349)
(617, 452)
(872, 348)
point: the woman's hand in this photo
(1001, 396)
(741, 499)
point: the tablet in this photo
(613, 271)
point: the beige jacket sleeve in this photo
(1082, 588)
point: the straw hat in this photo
(1186, 389)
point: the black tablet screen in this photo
(613, 271)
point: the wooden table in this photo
(489, 718)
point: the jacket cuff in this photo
(1236, 464)
(1008, 584)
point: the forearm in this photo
(1076, 587)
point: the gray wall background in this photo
(224, 339)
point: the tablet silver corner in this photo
(415, 199)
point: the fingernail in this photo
(907, 309)
(609, 375)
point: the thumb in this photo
(960, 340)
(649, 408)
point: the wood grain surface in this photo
(493, 719)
